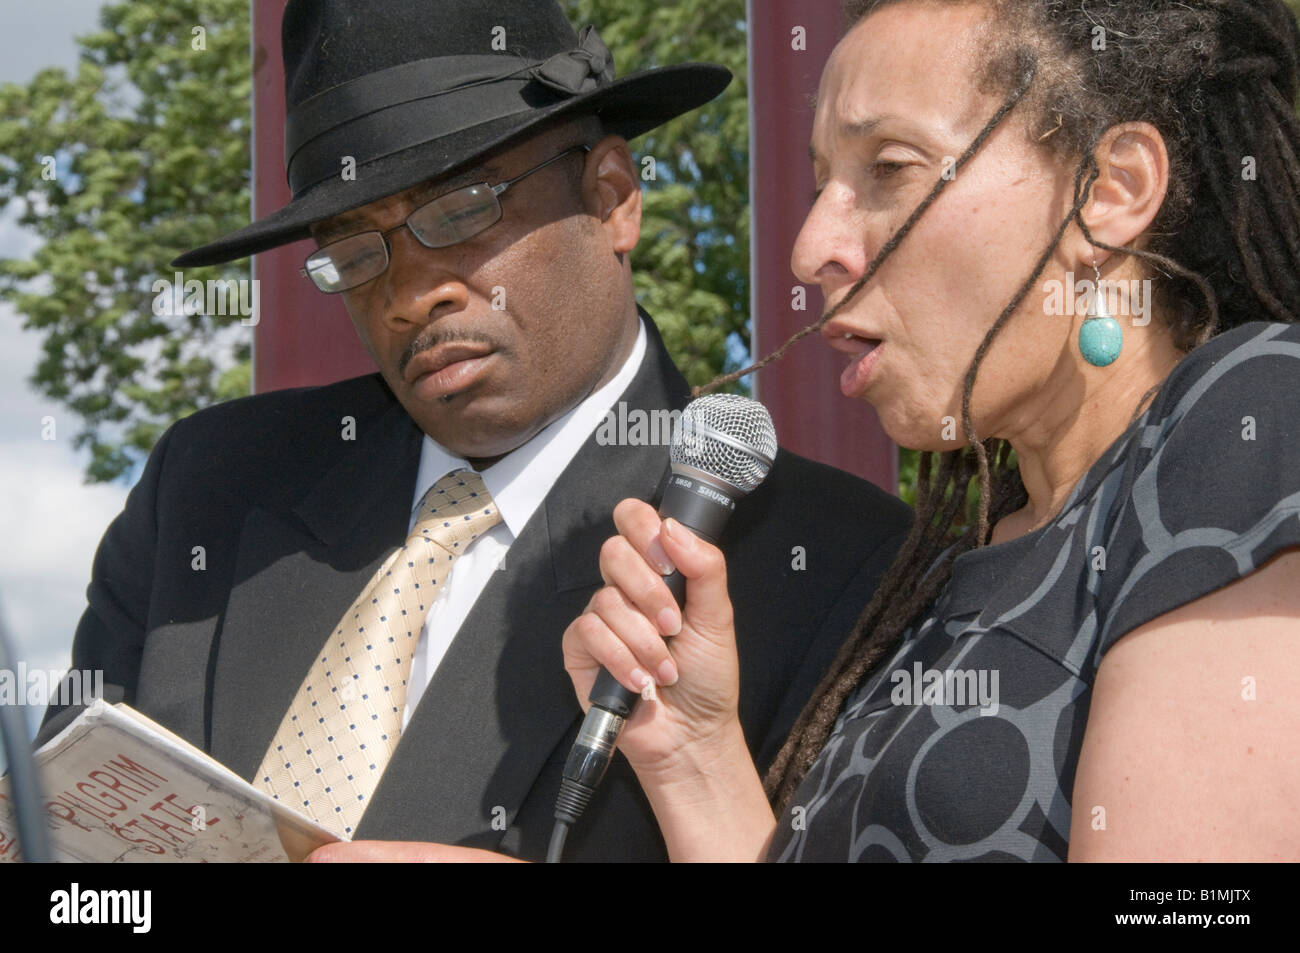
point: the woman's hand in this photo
(686, 745)
(695, 673)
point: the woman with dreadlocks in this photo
(1102, 661)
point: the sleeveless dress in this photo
(963, 745)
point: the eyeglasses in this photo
(447, 220)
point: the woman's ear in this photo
(613, 192)
(1132, 181)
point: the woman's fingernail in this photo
(668, 673)
(663, 565)
(639, 678)
(669, 623)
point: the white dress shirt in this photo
(518, 483)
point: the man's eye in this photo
(465, 214)
(362, 260)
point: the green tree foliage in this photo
(142, 153)
(692, 263)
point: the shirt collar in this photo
(520, 480)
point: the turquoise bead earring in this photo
(1100, 336)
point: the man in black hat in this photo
(482, 249)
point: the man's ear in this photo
(1131, 185)
(613, 192)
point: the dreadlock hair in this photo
(1218, 79)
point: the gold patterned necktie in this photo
(346, 719)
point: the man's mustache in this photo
(428, 342)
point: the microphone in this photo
(722, 450)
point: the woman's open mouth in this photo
(865, 356)
(863, 350)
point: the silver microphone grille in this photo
(728, 436)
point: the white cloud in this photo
(37, 35)
(51, 522)
(52, 534)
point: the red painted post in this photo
(801, 390)
(302, 336)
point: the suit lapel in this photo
(501, 701)
(298, 569)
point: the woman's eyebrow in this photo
(861, 128)
(870, 125)
(854, 129)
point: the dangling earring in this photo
(1100, 336)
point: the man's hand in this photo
(404, 852)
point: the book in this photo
(120, 788)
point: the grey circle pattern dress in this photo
(963, 746)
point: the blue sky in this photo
(51, 521)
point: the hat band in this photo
(391, 129)
(407, 105)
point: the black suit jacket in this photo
(255, 524)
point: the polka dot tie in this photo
(345, 721)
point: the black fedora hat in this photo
(415, 89)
